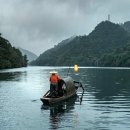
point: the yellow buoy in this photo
(75, 68)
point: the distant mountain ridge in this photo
(86, 50)
(30, 55)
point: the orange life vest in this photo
(54, 79)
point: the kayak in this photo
(70, 87)
(52, 100)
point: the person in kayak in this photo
(54, 78)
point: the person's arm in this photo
(58, 77)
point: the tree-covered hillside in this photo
(86, 50)
(119, 57)
(126, 26)
(10, 57)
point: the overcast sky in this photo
(38, 25)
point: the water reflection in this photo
(105, 105)
(58, 111)
(104, 84)
(15, 76)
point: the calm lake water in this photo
(105, 105)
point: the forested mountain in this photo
(30, 55)
(119, 57)
(126, 26)
(86, 50)
(10, 57)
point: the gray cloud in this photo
(37, 25)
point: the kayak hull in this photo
(50, 100)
